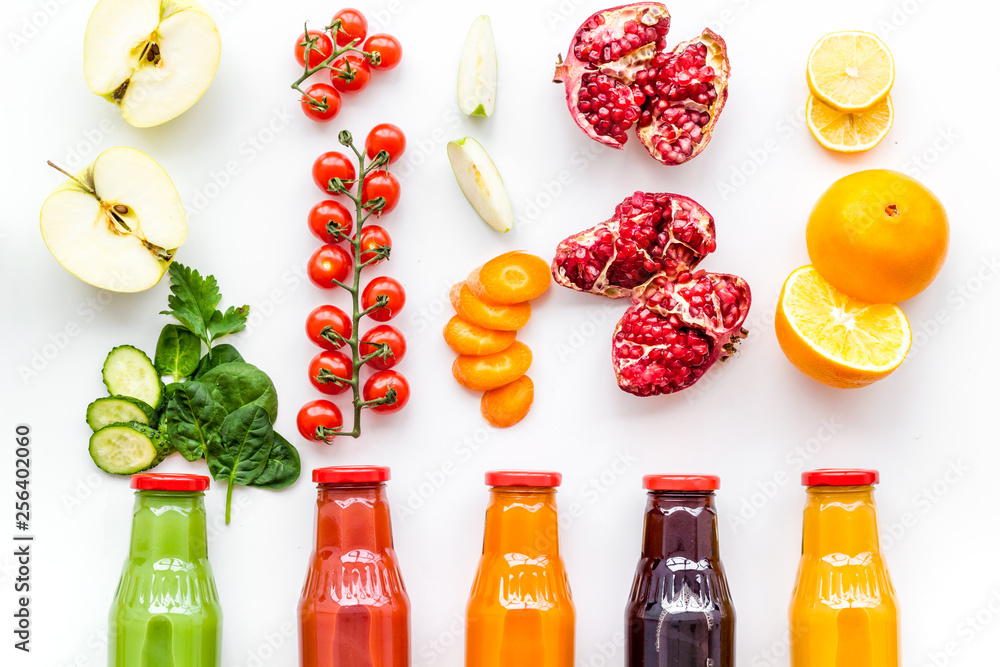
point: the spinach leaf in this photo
(282, 467)
(218, 355)
(177, 352)
(241, 454)
(193, 419)
(236, 383)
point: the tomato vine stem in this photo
(363, 210)
(348, 75)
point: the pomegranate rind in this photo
(609, 260)
(621, 65)
(507, 405)
(689, 137)
(676, 330)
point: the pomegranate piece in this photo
(676, 329)
(649, 235)
(619, 74)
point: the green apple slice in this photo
(477, 70)
(117, 223)
(153, 58)
(481, 183)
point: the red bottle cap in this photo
(523, 478)
(840, 477)
(351, 475)
(680, 482)
(165, 481)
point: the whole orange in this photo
(878, 236)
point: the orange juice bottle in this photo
(843, 613)
(520, 612)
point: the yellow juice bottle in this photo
(843, 612)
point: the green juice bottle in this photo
(166, 611)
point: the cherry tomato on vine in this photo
(326, 367)
(328, 212)
(383, 334)
(320, 51)
(394, 293)
(377, 386)
(385, 137)
(388, 47)
(317, 418)
(381, 184)
(333, 164)
(329, 262)
(353, 25)
(372, 237)
(321, 92)
(359, 67)
(325, 324)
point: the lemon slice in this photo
(850, 70)
(835, 339)
(848, 132)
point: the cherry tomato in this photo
(325, 324)
(385, 137)
(381, 184)
(362, 73)
(326, 367)
(353, 25)
(372, 237)
(320, 51)
(318, 419)
(321, 92)
(331, 165)
(327, 213)
(378, 385)
(383, 334)
(329, 262)
(394, 293)
(388, 47)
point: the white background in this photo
(746, 422)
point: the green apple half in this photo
(153, 58)
(117, 223)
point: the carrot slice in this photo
(492, 370)
(486, 314)
(466, 338)
(513, 277)
(509, 404)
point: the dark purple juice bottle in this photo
(680, 612)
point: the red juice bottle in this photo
(680, 612)
(354, 611)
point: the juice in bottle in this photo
(843, 613)
(166, 611)
(520, 613)
(680, 612)
(354, 611)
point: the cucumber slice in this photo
(129, 372)
(125, 449)
(117, 410)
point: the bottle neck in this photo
(522, 520)
(839, 519)
(681, 525)
(169, 524)
(353, 516)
